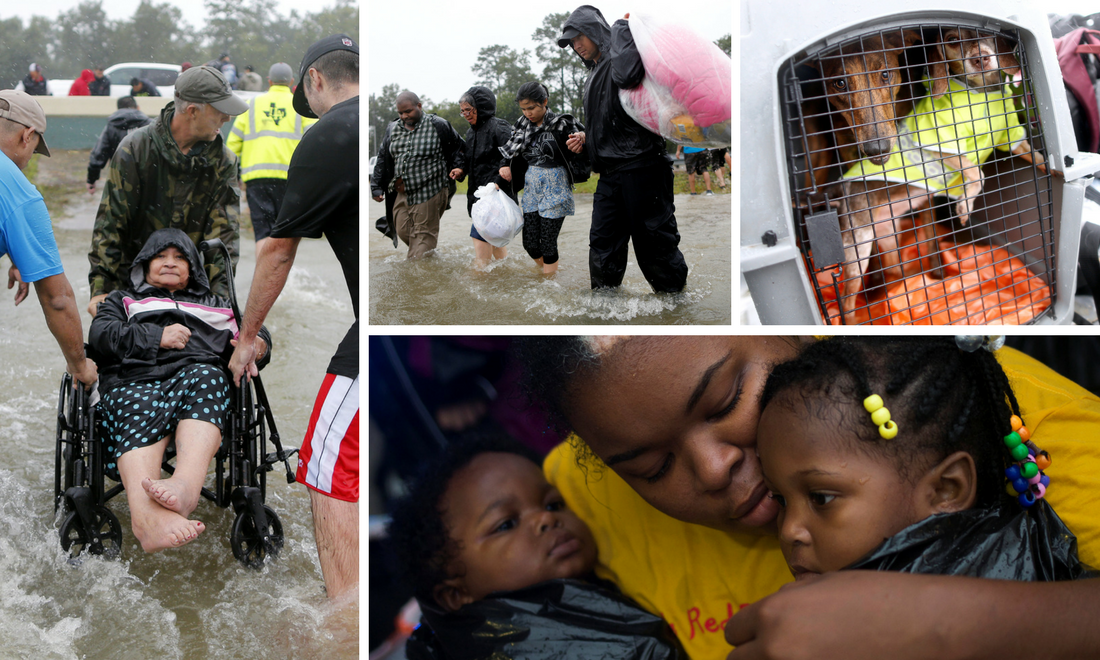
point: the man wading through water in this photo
(633, 198)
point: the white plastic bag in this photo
(496, 217)
(686, 95)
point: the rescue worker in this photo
(264, 138)
(175, 172)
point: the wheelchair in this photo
(240, 475)
(240, 471)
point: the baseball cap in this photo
(322, 47)
(23, 109)
(280, 72)
(567, 36)
(204, 84)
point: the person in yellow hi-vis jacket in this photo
(265, 138)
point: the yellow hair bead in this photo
(1016, 423)
(872, 403)
(880, 416)
(888, 430)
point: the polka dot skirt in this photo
(141, 414)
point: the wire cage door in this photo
(915, 161)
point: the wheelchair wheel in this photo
(75, 539)
(248, 542)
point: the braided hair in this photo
(420, 538)
(943, 399)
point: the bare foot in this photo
(165, 529)
(169, 494)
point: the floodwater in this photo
(445, 288)
(195, 602)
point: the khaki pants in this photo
(418, 224)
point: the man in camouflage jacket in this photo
(176, 173)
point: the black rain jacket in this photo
(100, 86)
(119, 125)
(614, 141)
(481, 159)
(126, 331)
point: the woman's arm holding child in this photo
(861, 614)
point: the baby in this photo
(499, 564)
(891, 453)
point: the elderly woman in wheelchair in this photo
(159, 347)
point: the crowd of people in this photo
(163, 326)
(94, 82)
(546, 153)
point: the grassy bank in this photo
(59, 178)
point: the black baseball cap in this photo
(567, 36)
(322, 47)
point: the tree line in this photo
(503, 69)
(251, 31)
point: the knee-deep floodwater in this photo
(445, 289)
(194, 602)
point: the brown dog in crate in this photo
(866, 82)
(940, 148)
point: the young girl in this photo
(536, 157)
(502, 568)
(893, 454)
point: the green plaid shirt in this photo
(418, 160)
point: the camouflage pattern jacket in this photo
(152, 185)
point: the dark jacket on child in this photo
(553, 619)
(1005, 542)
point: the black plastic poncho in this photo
(551, 620)
(1005, 542)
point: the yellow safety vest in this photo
(266, 136)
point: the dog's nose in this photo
(877, 148)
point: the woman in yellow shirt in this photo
(684, 525)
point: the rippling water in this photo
(446, 289)
(192, 602)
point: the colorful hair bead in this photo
(880, 417)
(1025, 477)
(1019, 452)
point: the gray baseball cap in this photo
(23, 109)
(281, 73)
(204, 84)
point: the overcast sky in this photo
(194, 11)
(431, 52)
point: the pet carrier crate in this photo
(888, 165)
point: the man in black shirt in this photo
(633, 199)
(322, 197)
